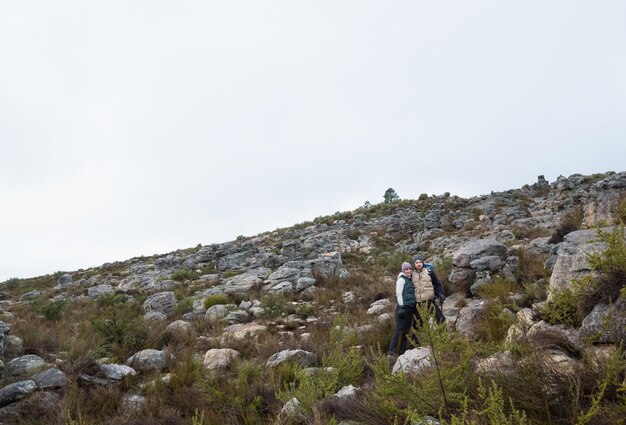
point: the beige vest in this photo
(424, 289)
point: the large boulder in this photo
(218, 359)
(4, 330)
(467, 322)
(606, 323)
(476, 258)
(414, 361)
(243, 331)
(148, 360)
(476, 249)
(242, 283)
(25, 365)
(571, 261)
(50, 378)
(163, 302)
(604, 197)
(304, 358)
(16, 391)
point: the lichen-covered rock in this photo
(219, 358)
(606, 323)
(148, 360)
(303, 358)
(50, 378)
(25, 365)
(414, 361)
(16, 391)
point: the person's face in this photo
(419, 264)
(408, 272)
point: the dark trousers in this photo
(404, 323)
(432, 307)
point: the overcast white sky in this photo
(134, 128)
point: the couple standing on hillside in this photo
(414, 288)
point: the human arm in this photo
(441, 296)
(399, 289)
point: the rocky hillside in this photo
(292, 325)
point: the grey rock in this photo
(483, 278)
(148, 360)
(16, 391)
(291, 411)
(461, 279)
(242, 283)
(604, 197)
(13, 346)
(466, 322)
(414, 361)
(237, 316)
(50, 378)
(285, 287)
(490, 262)
(304, 282)
(198, 306)
(163, 302)
(243, 331)
(25, 365)
(115, 372)
(348, 297)
(65, 279)
(283, 273)
(134, 404)
(571, 262)
(96, 291)
(31, 295)
(501, 362)
(379, 307)
(346, 392)
(218, 311)
(155, 316)
(304, 358)
(606, 323)
(179, 327)
(220, 358)
(476, 249)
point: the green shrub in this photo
(184, 306)
(274, 305)
(107, 300)
(530, 267)
(123, 328)
(621, 211)
(489, 407)
(494, 322)
(53, 310)
(561, 309)
(612, 261)
(304, 310)
(390, 263)
(499, 290)
(215, 299)
(11, 283)
(184, 274)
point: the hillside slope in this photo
(292, 325)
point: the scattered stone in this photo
(25, 365)
(303, 358)
(220, 358)
(148, 360)
(50, 378)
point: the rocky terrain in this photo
(157, 337)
